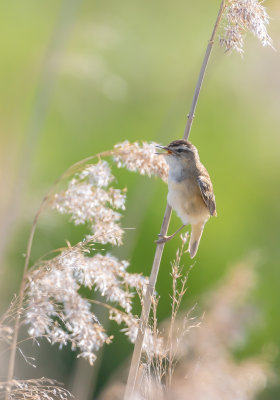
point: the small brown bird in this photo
(190, 190)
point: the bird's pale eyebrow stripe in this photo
(183, 148)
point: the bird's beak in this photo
(166, 148)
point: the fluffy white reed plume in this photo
(141, 158)
(89, 199)
(35, 389)
(106, 274)
(58, 312)
(242, 16)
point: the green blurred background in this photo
(78, 77)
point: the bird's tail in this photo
(197, 230)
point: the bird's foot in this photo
(163, 239)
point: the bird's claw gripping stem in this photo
(163, 238)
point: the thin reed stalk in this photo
(20, 304)
(135, 362)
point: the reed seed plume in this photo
(34, 389)
(141, 158)
(57, 311)
(89, 200)
(244, 16)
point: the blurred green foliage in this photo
(127, 70)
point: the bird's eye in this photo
(179, 150)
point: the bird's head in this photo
(179, 152)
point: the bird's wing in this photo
(207, 194)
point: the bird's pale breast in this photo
(185, 198)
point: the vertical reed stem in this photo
(135, 362)
(11, 366)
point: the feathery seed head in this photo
(242, 16)
(141, 158)
(56, 309)
(34, 389)
(88, 199)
